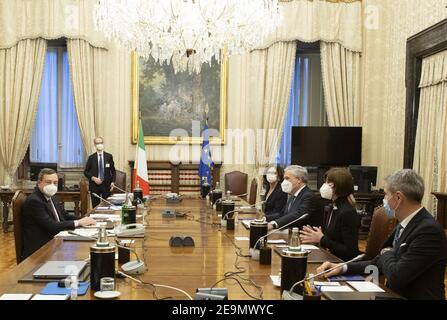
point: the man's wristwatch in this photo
(274, 225)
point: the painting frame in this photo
(166, 140)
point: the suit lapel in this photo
(410, 227)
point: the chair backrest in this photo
(120, 181)
(83, 194)
(17, 202)
(236, 182)
(253, 191)
(380, 229)
(61, 181)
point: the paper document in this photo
(276, 280)
(365, 286)
(336, 289)
(325, 283)
(16, 296)
(279, 241)
(109, 208)
(242, 238)
(308, 247)
(112, 217)
(50, 297)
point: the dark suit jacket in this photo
(415, 270)
(91, 169)
(39, 222)
(276, 201)
(341, 236)
(305, 202)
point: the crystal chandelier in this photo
(187, 33)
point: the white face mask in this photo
(326, 191)
(50, 190)
(271, 177)
(286, 186)
(99, 147)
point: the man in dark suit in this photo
(413, 259)
(100, 171)
(43, 217)
(301, 200)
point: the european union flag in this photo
(206, 163)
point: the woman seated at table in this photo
(341, 228)
(275, 198)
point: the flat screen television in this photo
(326, 146)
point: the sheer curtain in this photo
(306, 103)
(43, 147)
(56, 125)
(295, 117)
(72, 149)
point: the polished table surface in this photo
(201, 266)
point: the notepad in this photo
(336, 289)
(50, 297)
(365, 286)
(52, 288)
(16, 296)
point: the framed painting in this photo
(172, 106)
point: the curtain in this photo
(430, 159)
(72, 148)
(295, 114)
(316, 20)
(88, 77)
(21, 69)
(43, 146)
(48, 19)
(341, 81)
(306, 103)
(263, 88)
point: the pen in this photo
(309, 291)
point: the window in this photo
(56, 137)
(306, 102)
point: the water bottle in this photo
(74, 287)
(295, 244)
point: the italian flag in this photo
(140, 169)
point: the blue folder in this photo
(347, 278)
(52, 288)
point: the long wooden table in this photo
(64, 196)
(185, 268)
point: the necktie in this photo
(291, 200)
(53, 208)
(101, 168)
(397, 234)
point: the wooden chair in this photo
(253, 191)
(85, 199)
(236, 182)
(380, 229)
(120, 181)
(17, 202)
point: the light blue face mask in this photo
(389, 212)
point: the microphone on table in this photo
(242, 208)
(290, 295)
(230, 226)
(101, 198)
(304, 216)
(116, 187)
(131, 267)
